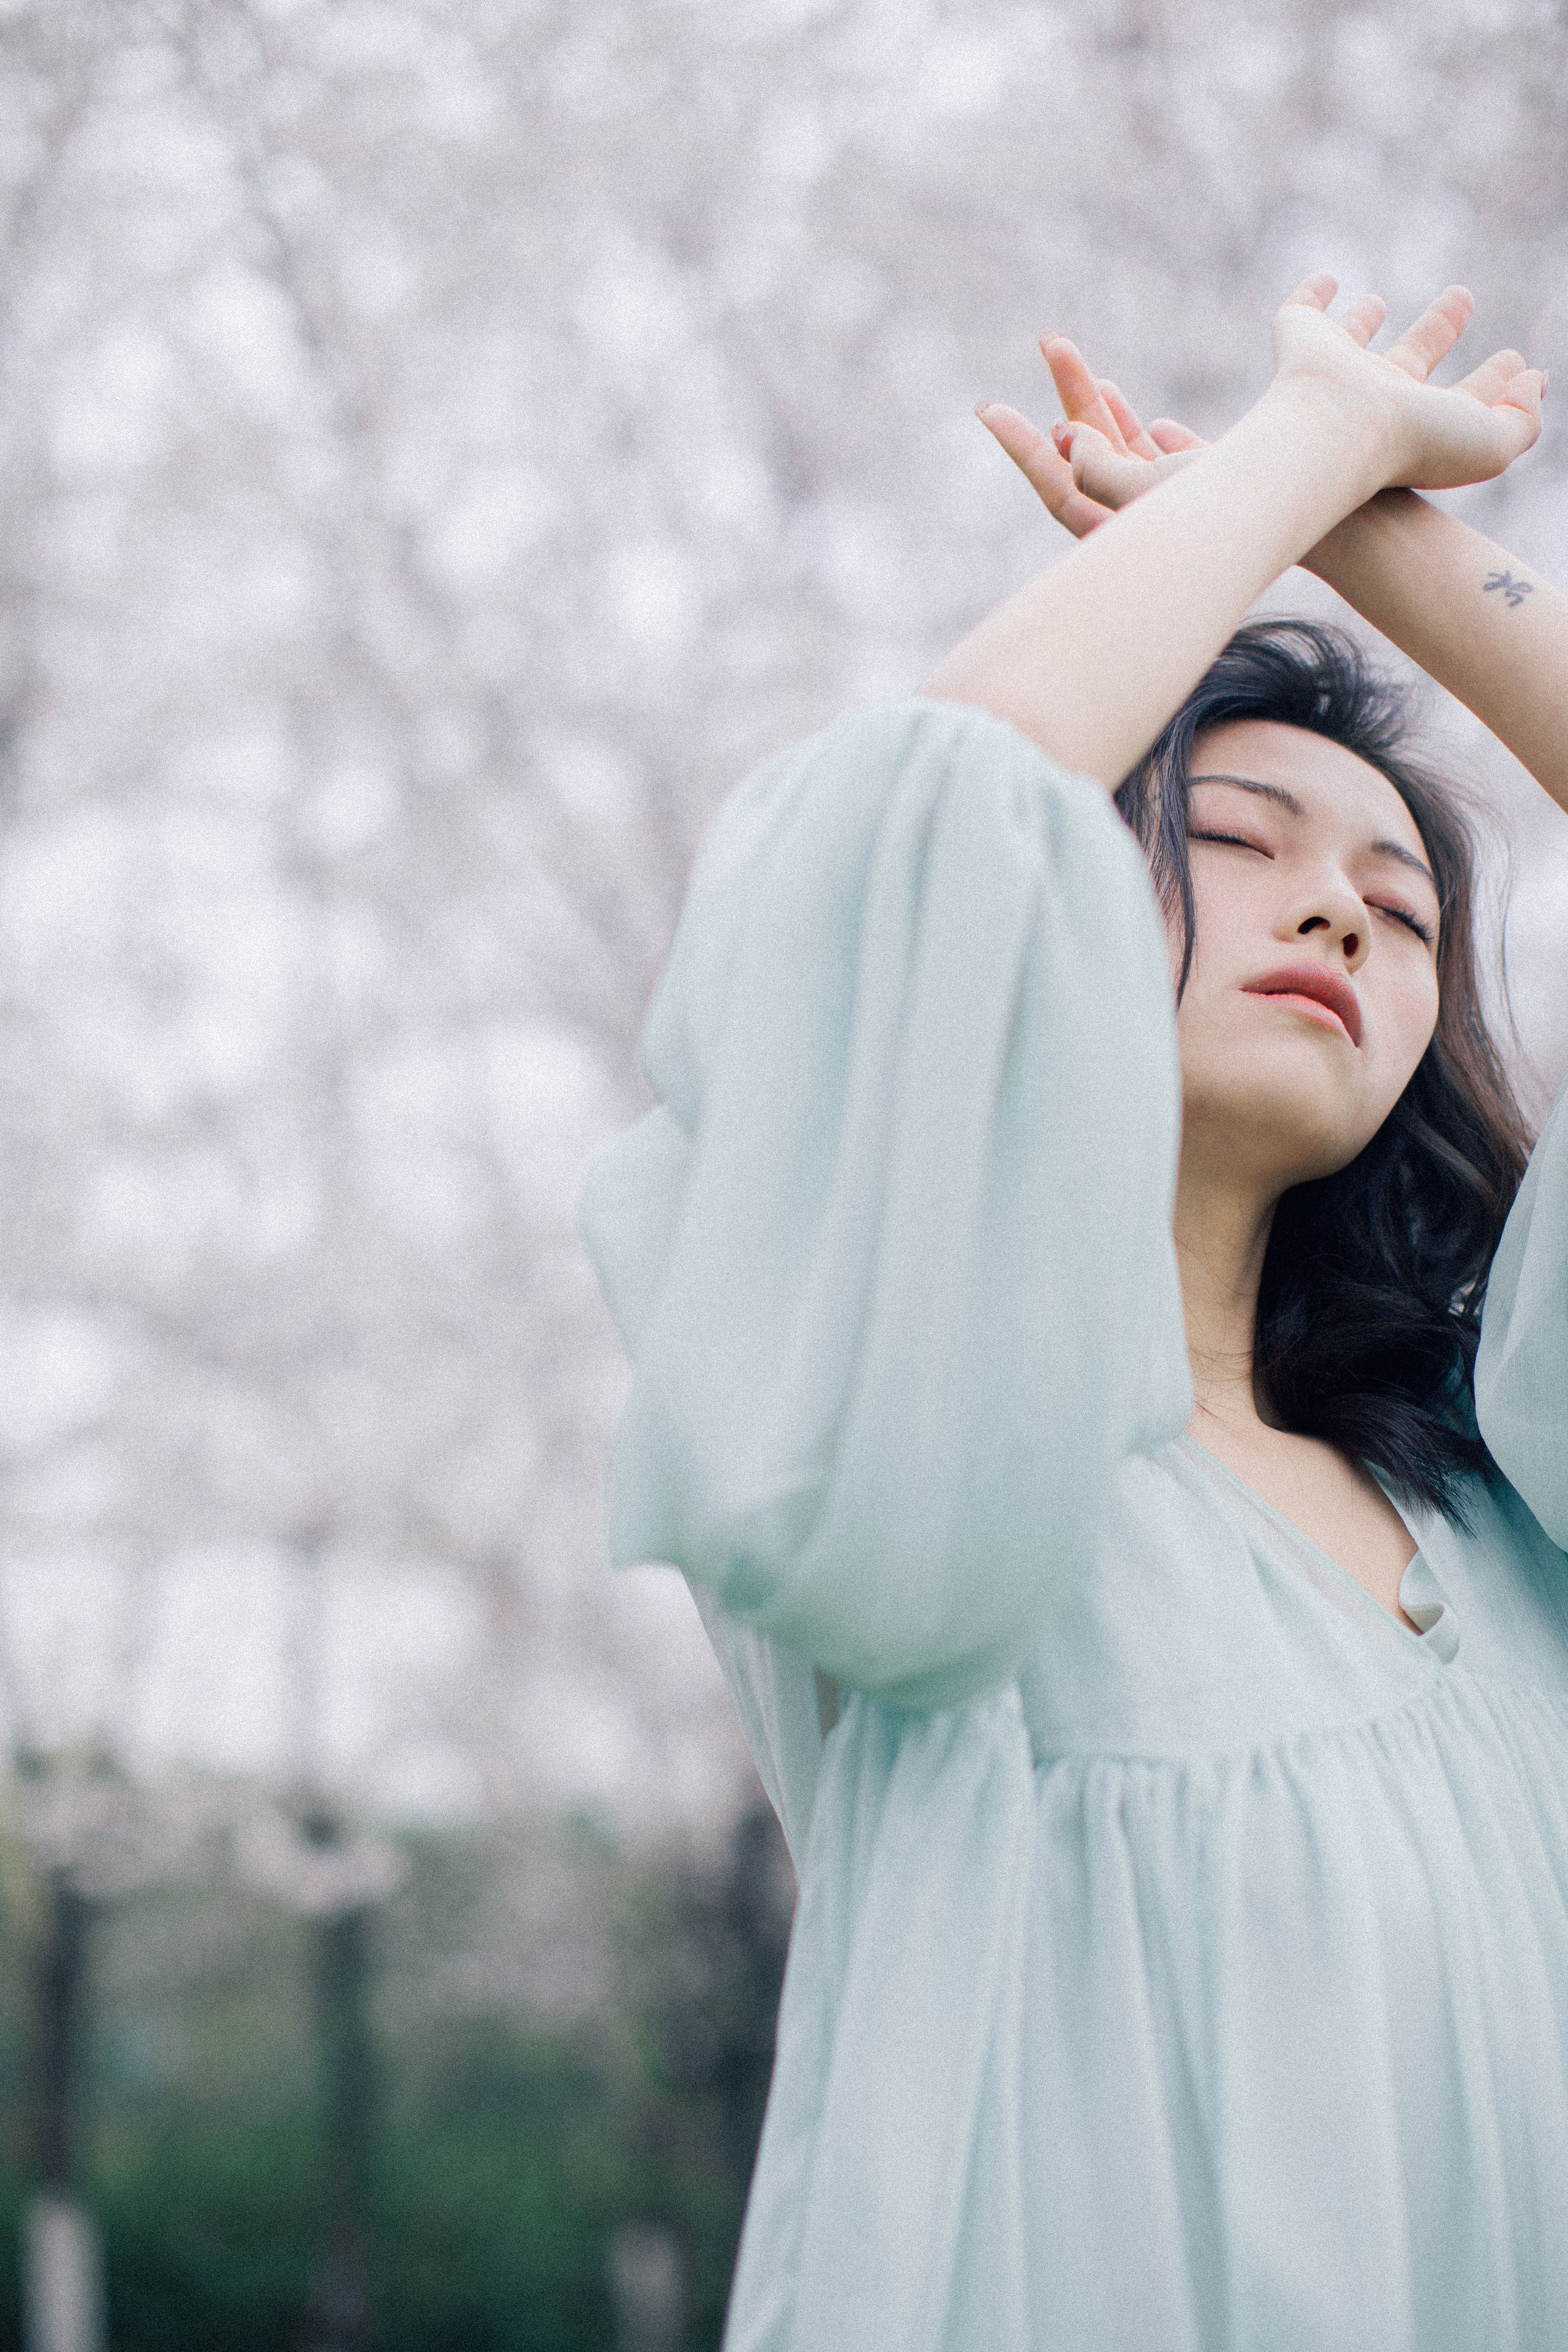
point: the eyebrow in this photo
(1288, 800)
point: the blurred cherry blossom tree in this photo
(442, 447)
(443, 444)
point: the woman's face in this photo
(1309, 875)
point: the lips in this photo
(1318, 985)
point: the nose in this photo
(1334, 909)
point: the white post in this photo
(62, 2278)
(647, 2288)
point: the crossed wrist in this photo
(1376, 533)
(1346, 433)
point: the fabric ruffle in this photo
(892, 2134)
(1521, 1367)
(893, 1257)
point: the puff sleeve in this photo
(1521, 1365)
(892, 1258)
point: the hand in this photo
(1102, 456)
(1118, 457)
(1432, 439)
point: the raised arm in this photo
(1477, 619)
(1482, 624)
(1092, 659)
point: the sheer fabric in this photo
(1182, 1957)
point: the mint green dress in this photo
(1182, 1955)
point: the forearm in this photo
(1092, 659)
(1483, 624)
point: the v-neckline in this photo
(1417, 1571)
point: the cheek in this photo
(1231, 905)
(1410, 1018)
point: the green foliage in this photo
(208, 2233)
(563, 2039)
(487, 2237)
(491, 2235)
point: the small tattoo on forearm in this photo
(1514, 591)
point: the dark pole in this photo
(61, 2014)
(338, 2314)
(62, 2256)
(756, 1924)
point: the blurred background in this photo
(443, 445)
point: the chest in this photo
(1337, 1504)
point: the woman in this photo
(1059, 1383)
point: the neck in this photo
(1222, 1224)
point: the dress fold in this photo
(899, 2029)
(1182, 1952)
(1521, 1366)
(893, 1257)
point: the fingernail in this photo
(982, 405)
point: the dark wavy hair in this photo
(1369, 1312)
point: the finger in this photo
(1519, 410)
(1078, 392)
(1363, 318)
(1434, 334)
(1107, 475)
(1168, 436)
(1128, 423)
(1314, 293)
(1516, 424)
(1110, 476)
(1486, 383)
(1049, 475)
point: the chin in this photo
(1288, 1125)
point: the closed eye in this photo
(1236, 841)
(1413, 922)
(1405, 915)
